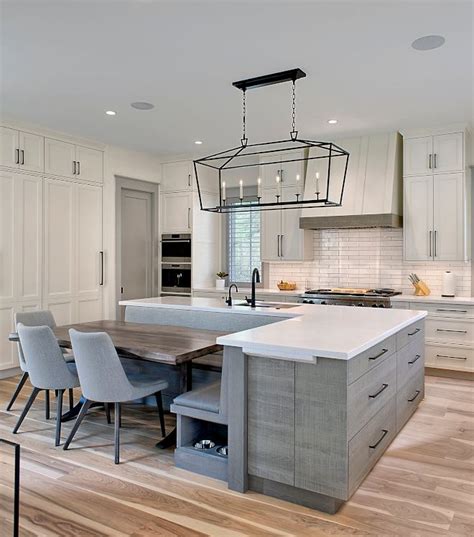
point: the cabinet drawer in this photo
(445, 310)
(409, 397)
(367, 360)
(369, 394)
(415, 330)
(369, 444)
(450, 330)
(410, 360)
(454, 357)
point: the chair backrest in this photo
(100, 371)
(44, 359)
(32, 318)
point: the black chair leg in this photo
(26, 409)
(71, 398)
(59, 412)
(117, 432)
(107, 412)
(47, 405)
(159, 404)
(85, 407)
(17, 391)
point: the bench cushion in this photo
(206, 398)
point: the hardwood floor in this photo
(422, 486)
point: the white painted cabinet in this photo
(177, 176)
(74, 161)
(176, 212)
(22, 150)
(440, 153)
(434, 218)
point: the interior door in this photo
(418, 218)
(448, 217)
(136, 244)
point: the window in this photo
(243, 245)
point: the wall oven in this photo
(176, 278)
(176, 248)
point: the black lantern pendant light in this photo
(283, 174)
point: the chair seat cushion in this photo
(206, 398)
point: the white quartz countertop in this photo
(305, 332)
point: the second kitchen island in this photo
(310, 400)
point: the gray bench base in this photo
(207, 464)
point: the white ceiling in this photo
(65, 62)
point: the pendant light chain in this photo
(294, 132)
(244, 125)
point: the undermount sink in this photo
(275, 305)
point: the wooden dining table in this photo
(175, 346)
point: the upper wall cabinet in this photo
(74, 161)
(177, 176)
(441, 153)
(21, 150)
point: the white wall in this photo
(132, 165)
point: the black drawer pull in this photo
(378, 355)
(453, 357)
(414, 332)
(417, 357)
(384, 387)
(451, 311)
(384, 434)
(417, 393)
(450, 330)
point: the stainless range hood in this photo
(373, 190)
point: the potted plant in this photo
(220, 281)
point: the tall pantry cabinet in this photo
(50, 234)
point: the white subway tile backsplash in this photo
(366, 258)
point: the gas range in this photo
(375, 298)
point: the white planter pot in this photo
(220, 284)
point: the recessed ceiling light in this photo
(198, 142)
(332, 121)
(141, 105)
(428, 42)
(110, 113)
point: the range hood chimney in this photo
(373, 189)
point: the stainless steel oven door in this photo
(176, 248)
(175, 278)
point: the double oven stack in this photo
(176, 264)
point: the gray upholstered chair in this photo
(103, 379)
(34, 318)
(47, 368)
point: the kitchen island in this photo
(311, 396)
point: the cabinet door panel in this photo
(271, 229)
(418, 218)
(291, 243)
(416, 155)
(59, 239)
(448, 217)
(59, 157)
(7, 235)
(32, 147)
(9, 145)
(8, 352)
(448, 151)
(176, 210)
(177, 176)
(90, 164)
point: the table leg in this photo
(185, 385)
(73, 413)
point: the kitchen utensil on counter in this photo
(449, 284)
(421, 289)
(286, 286)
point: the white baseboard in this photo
(6, 373)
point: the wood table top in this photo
(158, 343)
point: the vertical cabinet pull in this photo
(281, 245)
(22, 156)
(17, 156)
(430, 159)
(101, 281)
(189, 179)
(278, 245)
(431, 243)
(74, 167)
(78, 167)
(435, 248)
(435, 160)
(189, 217)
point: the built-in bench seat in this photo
(206, 398)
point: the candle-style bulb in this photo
(223, 191)
(241, 189)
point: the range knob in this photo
(374, 305)
(323, 302)
(381, 306)
(360, 304)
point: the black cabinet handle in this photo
(78, 167)
(417, 357)
(378, 355)
(451, 331)
(384, 434)
(22, 156)
(101, 282)
(417, 393)
(384, 387)
(414, 332)
(74, 167)
(451, 311)
(17, 156)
